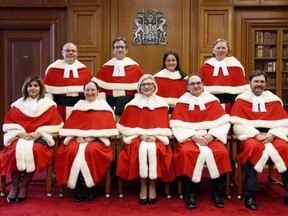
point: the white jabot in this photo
(31, 104)
(258, 100)
(118, 69)
(217, 66)
(67, 69)
(193, 102)
(148, 100)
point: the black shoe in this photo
(20, 199)
(250, 201)
(152, 201)
(143, 201)
(190, 202)
(10, 200)
(286, 199)
(216, 199)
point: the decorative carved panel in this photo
(91, 61)
(85, 2)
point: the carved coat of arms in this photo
(150, 28)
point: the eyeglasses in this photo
(147, 84)
(70, 50)
(119, 47)
(194, 84)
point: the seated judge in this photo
(29, 127)
(145, 128)
(200, 126)
(261, 124)
(85, 155)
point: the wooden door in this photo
(23, 53)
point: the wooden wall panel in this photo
(218, 2)
(91, 61)
(149, 57)
(86, 33)
(214, 22)
(34, 3)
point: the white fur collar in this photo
(206, 96)
(165, 73)
(127, 61)
(43, 104)
(60, 63)
(158, 101)
(267, 96)
(84, 105)
(230, 62)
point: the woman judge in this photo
(86, 154)
(29, 127)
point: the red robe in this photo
(170, 86)
(93, 159)
(25, 155)
(135, 122)
(55, 83)
(189, 158)
(235, 83)
(120, 85)
(247, 124)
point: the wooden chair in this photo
(108, 175)
(49, 171)
(119, 148)
(227, 178)
(237, 165)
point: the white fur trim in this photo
(152, 159)
(220, 132)
(115, 86)
(60, 63)
(141, 131)
(165, 73)
(267, 96)
(157, 101)
(143, 166)
(226, 89)
(127, 61)
(281, 133)
(24, 156)
(230, 62)
(84, 105)
(11, 132)
(210, 161)
(275, 157)
(80, 164)
(197, 173)
(43, 105)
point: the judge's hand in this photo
(147, 138)
(80, 140)
(209, 138)
(265, 137)
(28, 136)
(89, 139)
(199, 140)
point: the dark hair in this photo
(178, 67)
(30, 79)
(258, 73)
(119, 39)
(218, 41)
(194, 74)
(91, 81)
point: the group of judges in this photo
(146, 110)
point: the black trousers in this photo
(190, 187)
(250, 178)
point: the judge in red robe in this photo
(64, 80)
(261, 124)
(145, 129)
(200, 126)
(118, 77)
(29, 127)
(224, 76)
(171, 80)
(86, 152)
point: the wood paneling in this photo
(218, 2)
(86, 33)
(149, 57)
(34, 3)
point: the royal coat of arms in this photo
(150, 28)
